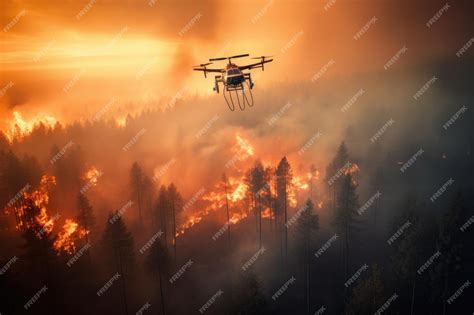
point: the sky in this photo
(67, 60)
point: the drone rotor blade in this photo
(217, 59)
(239, 56)
(262, 57)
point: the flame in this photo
(352, 169)
(238, 191)
(236, 217)
(18, 127)
(267, 213)
(40, 198)
(121, 121)
(244, 145)
(92, 175)
(297, 182)
(67, 238)
(320, 205)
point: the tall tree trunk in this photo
(139, 204)
(174, 227)
(118, 258)
(87, 234)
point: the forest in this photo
(87, 228)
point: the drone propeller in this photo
(262, 60)
(204, 65)
(229, 58)
(262, 57)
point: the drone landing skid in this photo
(240, 94)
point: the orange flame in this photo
(92, 175)
(67, 238)
(19, 127)
(352, 169)
(244, 145)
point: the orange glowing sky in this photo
(65, 60)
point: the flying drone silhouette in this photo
(234, 81)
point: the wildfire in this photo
(236, 217)
(299, 183)
(238, 191)
(267, 213)
(68, 236)
(244, 145)
(41, 222)
(19, 127)
(92, 175)
(352, 169)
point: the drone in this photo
(237, 85)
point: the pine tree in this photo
(408, 251)
(137, 185)
(163, 206)
(344, 217)
(157, 262)
(257, 182)
(283, 181)
(307, 225)
(86, 217)
(117, 243)
(176, 203)
(339, 160)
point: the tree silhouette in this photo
(86, 217)
(408, 251)
(117, 243)
(307, 225)
(344, 217)
(339, 160)
(176, 203)
(283, 181)
(157, 262)
(137, 185)
(257, 181)
(163, 206)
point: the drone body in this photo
(234, 80)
